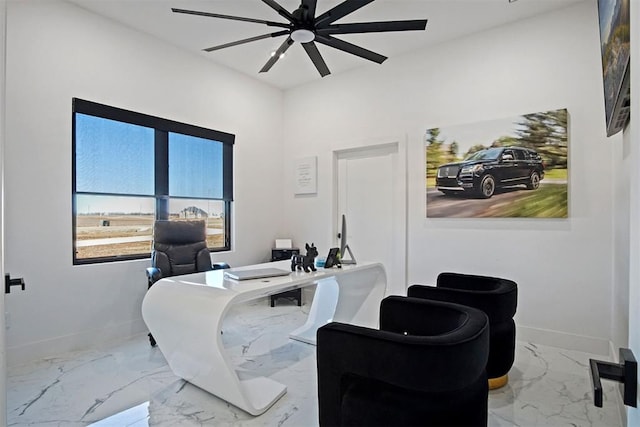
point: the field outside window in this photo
(109, 226)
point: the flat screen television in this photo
(613, 16)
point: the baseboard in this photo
(613, 353)
(26, 353)
(564, 340)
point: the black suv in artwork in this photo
(485, 170)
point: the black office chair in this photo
(179, 247)
(425, 366)
(498, 298)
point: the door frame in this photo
(398, 148)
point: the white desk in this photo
(185, 314)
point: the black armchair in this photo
(179, 247)
(425, 366)
(498, 298)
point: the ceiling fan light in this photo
(303, 36)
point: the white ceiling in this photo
(447, 19)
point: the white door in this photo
(3, 360)
(371, 193)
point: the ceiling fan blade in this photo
(341, 10)
(374, 27)
(350, 48)
(281, 10)
(235, 18)
(316, 58)
(250, 39)
(310, 5)
(282, 49)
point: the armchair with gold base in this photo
(495, 296)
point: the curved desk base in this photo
(185, 315)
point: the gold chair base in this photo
(495, 383)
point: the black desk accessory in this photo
(333, 259)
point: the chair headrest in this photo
(179, 232)
(471, 282)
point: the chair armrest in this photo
(153, 275)
(203, 260)
(345, 350)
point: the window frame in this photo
(162, 128)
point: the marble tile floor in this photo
(130, 384)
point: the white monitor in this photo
(344, 246)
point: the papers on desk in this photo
(283, 244)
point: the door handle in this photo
(9, 282)
(625, 372)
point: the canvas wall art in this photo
(509, 168)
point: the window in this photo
(519, 154)
(130, 169)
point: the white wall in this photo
(563, 267)
(3, 353)
(625, 211)
(57, 51)
(632, 139)
(623, 186)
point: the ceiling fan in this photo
(306, 28)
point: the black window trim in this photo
(162, 129)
